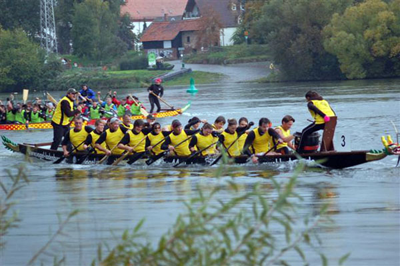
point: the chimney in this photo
(166, 17)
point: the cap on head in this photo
(158, 80)
(114, 119)
(71, 90)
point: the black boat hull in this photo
(335, 160)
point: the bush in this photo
(139, 62)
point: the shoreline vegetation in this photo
(309, 40)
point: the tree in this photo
(21, 60)
(209, 35)
(125, 32)
(293, 31)
(23, 14)
(366, 39)
(94, 30)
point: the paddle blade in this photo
(59, 160)
(84, 157)
(155, 158)
(216, 160)
(25, 93)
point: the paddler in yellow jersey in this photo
(205, 138)
(61, 117)
(321, 111)
(219, 124)
(75, 138)
(284, 133)
(95, 135)
(259, 140)
(112, 137)
(178, 141)
(155, 139)
(194, 123)
(243, 122)
(126, 121)
(229, 138)
(134, 141)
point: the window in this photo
(242, 7)
(188, 39)
(234, 7)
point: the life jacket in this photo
(113, 138)
(95, 113)
(59, 117)
(135, 109)
(285, 134)
(77, 138)
(10, 116)
(134, 139)
(95, 137)
(35, 118)
(154, 139)
(242, 140)
(261, 143)
(127, 127)
(324, 107)
(182, 149)
(121, 110)
(109, 108)
(19, 117)
(228, 140)
(205, 141)
(49, 114)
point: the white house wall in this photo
(226, 36)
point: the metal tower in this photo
(48, 26)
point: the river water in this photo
(363, 200)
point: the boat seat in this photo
(327, 137)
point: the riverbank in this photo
(103, 80)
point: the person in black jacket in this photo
(61, 118)
(158, 90)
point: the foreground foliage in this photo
(241, 231)
(8, 220)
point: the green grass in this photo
(199, 77)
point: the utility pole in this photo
(48, 26)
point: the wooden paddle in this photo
(153, 159)
(194, 154)
(107, 156)
(51, 98)
(63, 157)
(84, 157)
(142, 110)
(227, 150)
(268, 151)
(126, 153)
(161, 99)
(25, 93)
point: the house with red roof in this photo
(203, 23)
(144, 12)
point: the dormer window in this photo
(234, 7)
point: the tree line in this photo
(90, 29)
(326, 39)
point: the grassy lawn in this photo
(199, 77)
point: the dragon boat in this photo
(329, 159)
(47, 124)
